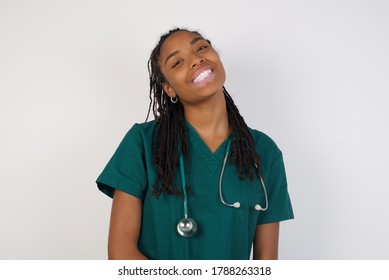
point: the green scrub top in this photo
(222, 232)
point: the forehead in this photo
(177, 40)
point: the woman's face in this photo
(191, 67)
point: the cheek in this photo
(223, 72)
(176, 79)
(217, 59)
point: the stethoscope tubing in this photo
(237, 204)
(187, 227)
(183, 182)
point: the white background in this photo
(311, 74)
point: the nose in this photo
(196, 60)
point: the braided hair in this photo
(170, 137)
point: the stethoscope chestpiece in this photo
(186, 227)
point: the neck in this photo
(210, 119)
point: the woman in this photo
(196, 183)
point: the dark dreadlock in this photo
(170, 137)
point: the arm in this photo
(266, 242)
(126, 216)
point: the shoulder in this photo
(137, 138)
(141, 131)
(265, 145)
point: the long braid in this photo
(170, 137)
(243, 152)
(169, 141)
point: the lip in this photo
(199, 71)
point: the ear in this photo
(169, 90)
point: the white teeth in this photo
(202, 76)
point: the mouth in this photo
(203, 76)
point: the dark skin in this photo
(204, 104)
(195, 74)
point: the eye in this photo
(202, 48)
(177, 63)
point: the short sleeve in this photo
(279, 207)
(126, 170)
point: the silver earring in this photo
(174, 100)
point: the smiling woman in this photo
(197, 182)
(192, 68)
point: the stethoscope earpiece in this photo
(258, 207)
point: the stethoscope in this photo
(187, 227)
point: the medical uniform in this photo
(223, 232)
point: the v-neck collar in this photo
(212, 159)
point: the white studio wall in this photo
(313, 75)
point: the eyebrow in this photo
(194, 41)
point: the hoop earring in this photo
(174, 100)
